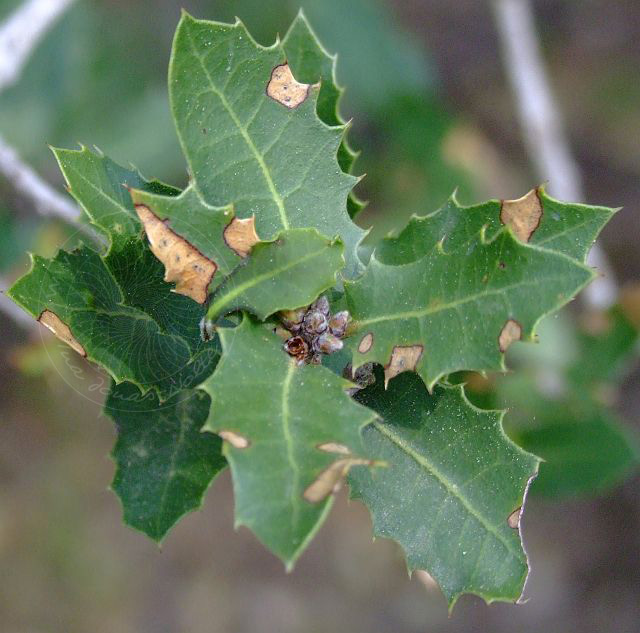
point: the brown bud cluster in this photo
(314, 331)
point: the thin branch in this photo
(22, 31)
(542, 126)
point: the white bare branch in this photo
(542, 126)
(22, 31)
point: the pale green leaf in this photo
(284, 424)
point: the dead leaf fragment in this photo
(329, 480)
(522, 215)
(366, 343)
(514, 519)
(403, 358)
(52, 322)
(184, 264)
(240, 235)
(284, 88)
(236, 440)
(511, 332)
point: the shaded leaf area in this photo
(120, 313)
(450, 311)
(452, 483)
(291, 431)
(116, 309)
(252, 137)
(537, 218)
(310, 64)
(565, 414)
(164, 464)
(284, 274)
(100, 187)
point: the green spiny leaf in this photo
(252, 137)
(291, 433)
(287, 273)
(452, 489)
(164, 463)
(311, 63)
(459, 310)
(536, 218)
(99, 185)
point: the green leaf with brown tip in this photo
(452, 489)
(291, 433)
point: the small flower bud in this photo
(322, 304)
(338, 323)
(327, 343)
(297, 347)
(315, 322)
(292, 319)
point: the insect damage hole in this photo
(184, 264)
(240, 235)
(403, 358)
(284, 88)
(52, 322)
(511, 332)
(522, 215)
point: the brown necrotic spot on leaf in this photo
(184, 264)
(329, 480)
(366, 343)
(403, 358)
(284, 88)
(522, 215)
(240, 235)
(514, 519)
(52, 322)
(510, 332)
(236, 440)
(334, 447)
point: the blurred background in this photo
(433, 109)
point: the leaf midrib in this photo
(224, 300)
(451, 488)
(244, 133)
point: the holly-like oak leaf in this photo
(449, 311)
(287, 273)
(453, 488)
(535, 218)
(291, 433)
(251, 135)
(164, 463)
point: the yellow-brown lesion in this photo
(403, 358)
(511, 332)
(522, 215)
(330, 479)
(53, 322)
(240, 235)
(184, 264)
(284, 88)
